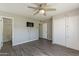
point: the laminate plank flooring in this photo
(39, 47)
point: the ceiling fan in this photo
(41, 8)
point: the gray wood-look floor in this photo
(40, 47)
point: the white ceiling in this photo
(21, 9)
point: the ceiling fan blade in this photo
(50, 9)
(36, 12)
(32, 7)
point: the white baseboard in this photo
(14, 44)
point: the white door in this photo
(73, 32)
(1, 35)
(59, 31)
(44, 30)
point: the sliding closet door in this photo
(72, 32)
(59, 31)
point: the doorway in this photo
(7, 32)
(40, 31)
(43, 30)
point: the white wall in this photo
(59, 30)
(49, 29)
(24, 34)
(66, 29)
(20, 32)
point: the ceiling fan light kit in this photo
(41, 11)
(41, 8)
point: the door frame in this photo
(1, 17)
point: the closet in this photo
(72, 32)
(66, 30)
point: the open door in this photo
(7, 32)
(1, 31)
